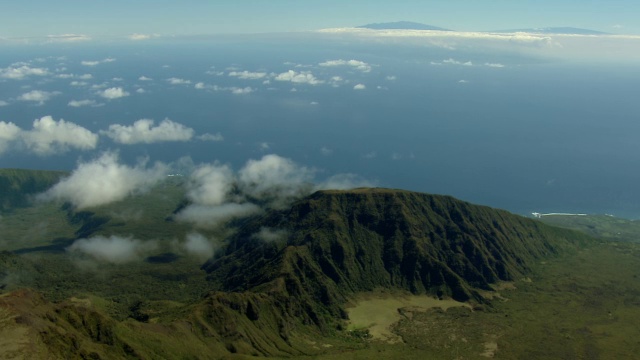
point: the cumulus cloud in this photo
(241, 91)
(143, 131)
(210, 137)
(494, 65)
(96, 62)
(3, 103)
(275, 179)
(80, 103)
(49, 136)
(113, 93)
(210, 184)
(178, 81)
(113, 249)
(104, 181)
(144, 78)
(233, 89)
(303, 77)
(360, 87)
(198, 246)
(356, 64)
(38, 96)
(8, 134)
(22, 71)
(217, 194)
(247, 75)
(451, 61)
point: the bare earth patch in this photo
(377, 313)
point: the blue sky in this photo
(98, 18)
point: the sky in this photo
(100, 18)
(522, 121)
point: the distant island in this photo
(409, 25)
(401, 25)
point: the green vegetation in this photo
(607, 227)
(295, 282)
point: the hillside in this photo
(334, 244)
(18, 185)
(281, 285)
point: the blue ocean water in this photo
(531, 135)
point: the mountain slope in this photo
(337, 243)
(17, 185)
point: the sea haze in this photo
(509, 130)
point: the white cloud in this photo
(274, 179)
(68, 38)
(210, 185)
(144, 78)
(22, 71)
(304, 77)
(214, 72)
(104, 181)
(80, 103)
(326, 151)
(3, 103)
(241, 91)
(113, 93)
(113, 249)
(269, 235)
(210, 137)
(49, 136)
(456, 62)
(391, 78)
(78, 83)
(143, 131)
(178, 81)
(140, 91)
(38, 96)
(200, 86)
(248, 75)
(199, 246)
(356, 64)
(494, 65)
(343, 182)
(211, 216)
(360, 87)
(96, 62)
(463, 81)
(9, 132)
